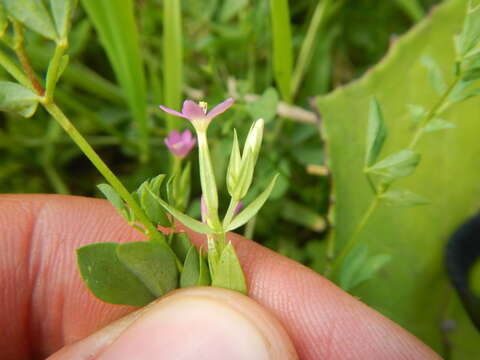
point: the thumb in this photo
(192, 323)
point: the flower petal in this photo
(174, 136)
(172, 112)
(191, 110)
(220, 108)
(186, 135)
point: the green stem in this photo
(355, 237)
(308, 44)
(90, 153)
(53, 133)
(207, 180)
(250, 228)
(53, 69)
(433, 112)
(13, 70)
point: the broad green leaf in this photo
(439, 124)
(108, 279)
(114, 21)
(252, 208)
(32, 14)
(152, 263)
(396, 197)
(264, 107)
(62, 11)
(18, 99)
(195, 270)
(282, 46)
(395, 166)
(152, 207)
(411, 287)
(114, 198)
(186, 220)
(376, 133)
(229, 273)
(180, 245)
(435, 74)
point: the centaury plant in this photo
(137, 272)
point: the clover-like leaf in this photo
(33, 14)
(180, 245)
(114, 198)
(152, 263)
(17, 98)
(108, 279)
(62, 11)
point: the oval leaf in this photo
(152, 263)
(108, 279)
(33, 14)
(376, 133)
(18, 99)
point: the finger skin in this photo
(44, 304)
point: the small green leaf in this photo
(265, 107)
(434, 74)
(152, 263)
(63, 65)
(395, 166)
(115, 199)
(33, 14)
(108, 279)
(417, 112)
(252, 209)
(152, 207)
(229, 273)
(439, 124)
(62, 13)
(195, 270)
(186, 220)
(470, 35)
(156, 184)
(359, 267)
(18, 99)
(180, 245)
(402, 198)
(376, 133)
(472, 74)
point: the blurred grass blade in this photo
(114, 21)
(172, 58)
(282, 46)
(320, 15)
(412, 8)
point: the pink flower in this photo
(197, 113)
(180, 144)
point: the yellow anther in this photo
(203, 105)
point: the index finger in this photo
(44, 304)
